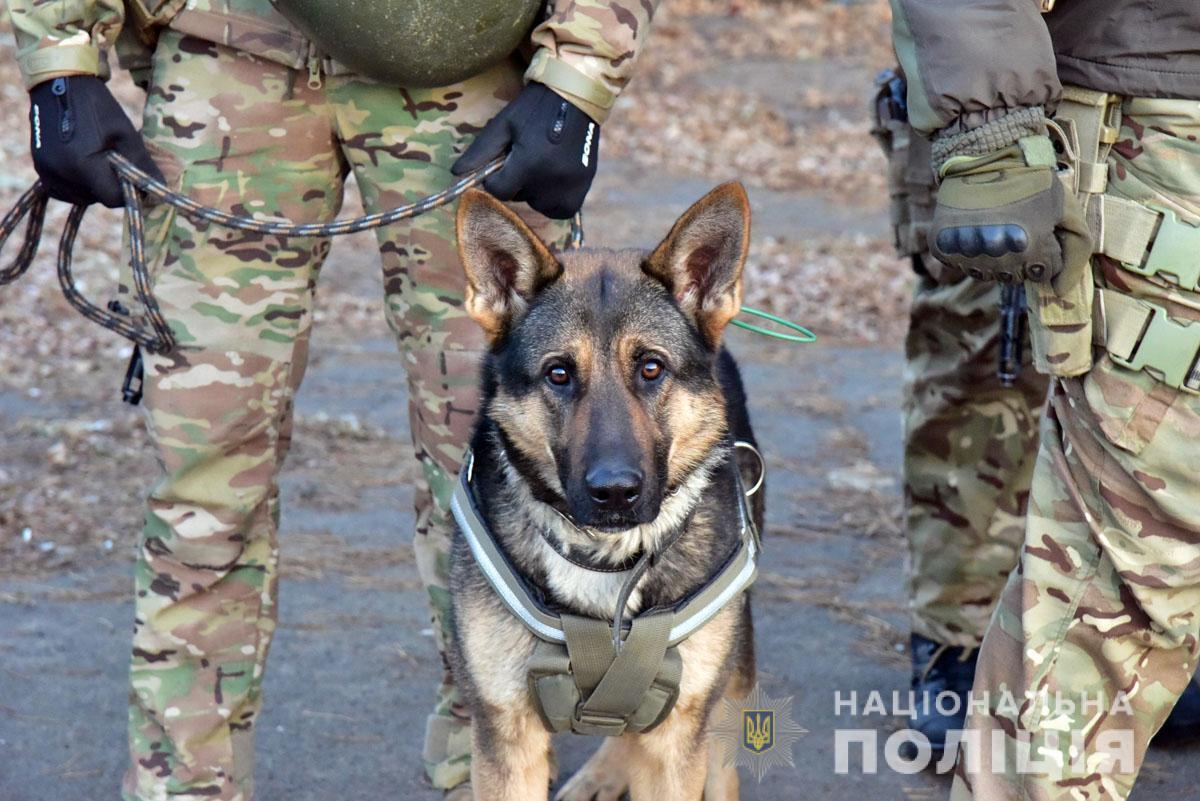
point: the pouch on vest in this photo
(1061, 330)
(1061, 322)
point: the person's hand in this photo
(1001, 218)
(551, 146)
(74, 122)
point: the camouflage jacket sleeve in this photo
(64, 37)
(586, 50)
(970, 61)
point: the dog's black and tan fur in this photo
(608, 404)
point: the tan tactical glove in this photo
(1003, 214)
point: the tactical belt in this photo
(1145, 238)
(581, 680)
(1140, 335)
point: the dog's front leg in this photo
(670, 763)
(604, 777)
(511, 756)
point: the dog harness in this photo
(584, 676)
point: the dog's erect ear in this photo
(701, 260)
(506, 263)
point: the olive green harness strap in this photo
(615, 688)
(586, 688)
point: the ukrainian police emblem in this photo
(758, 732)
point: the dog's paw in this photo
(589, 786)
(602, 777)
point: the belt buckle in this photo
(1168, 350)
(1175, 252)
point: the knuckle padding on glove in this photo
(982, 240)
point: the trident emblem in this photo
(759, 733)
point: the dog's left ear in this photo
(506, 263)
(701, 260)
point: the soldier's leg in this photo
(969, 445)
(969, 448)
(243, 135)
(401, 144)
(969, 442)
(1104, 611)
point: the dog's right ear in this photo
(506, 263)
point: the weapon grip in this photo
(1012, 332)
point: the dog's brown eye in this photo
(558, 376)
(652, 369)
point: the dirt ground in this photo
(770, 93)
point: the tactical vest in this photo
(582, 680)
(400, 43)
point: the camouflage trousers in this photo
(1096, 633)
(969, 447)
(253, 137)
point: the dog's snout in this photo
(614, 489)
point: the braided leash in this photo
(135, 183)
(32, 204)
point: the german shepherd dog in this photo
(609, 408)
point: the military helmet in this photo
(406, 43)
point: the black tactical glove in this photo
(74, 122)
(552, 152)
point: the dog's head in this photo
(603, 361)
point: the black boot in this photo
(940, 670)
(1183, 724)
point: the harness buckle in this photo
(1168, 350)
(597, 723)
(1173, 252)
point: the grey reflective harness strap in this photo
(736, 575)
(495, 565)
(581, 680)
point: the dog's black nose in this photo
(614, 489)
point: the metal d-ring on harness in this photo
(134, 184)
(588, 676)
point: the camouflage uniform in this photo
(242, 115)
(1108, 596)
(1097, 633)
(969, 441)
